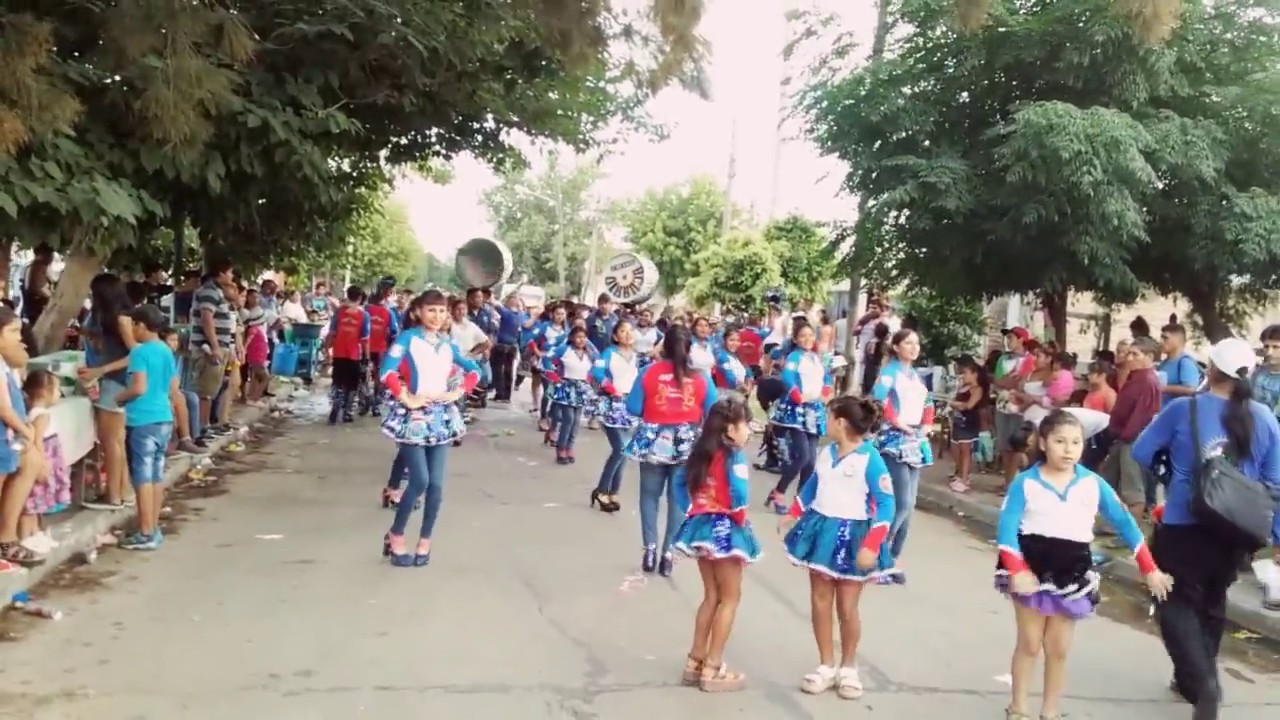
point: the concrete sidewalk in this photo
(982, 505)
(77, 534)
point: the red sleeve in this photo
(890, 415)
(609, 389)
(1012, 562)
(392, 382)
(875, 538)
(795, 396)
(1146, 563)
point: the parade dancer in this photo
(424, 420)
(614, 374)
(546, 335)
(800, 416)
(729, 373)
(568, 368)
(904, 435)
(712, 490)
(842, 517)
(1045, 565)
(702, 349)
(671, 399)
(648, 338)
(348, 333)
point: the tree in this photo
(736, 271)
(947, 327)
(805, 257)
(672, 227)
(379, 242)
(1053, 151)
(548, 220)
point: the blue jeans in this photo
(397, 473)
(655, 481)
(145, 447)
(426, 475)
(566, 419)
(802, 454)
(193, 412)
(906, 485)
(611, 476)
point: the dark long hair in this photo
(110, 300)
(675, 347)
(1237, 416)
(724, 414)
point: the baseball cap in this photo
(1234, 356)
(150, 317)
(1018, 331)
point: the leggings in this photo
(611, 476)
(426, 475)
(801, 455)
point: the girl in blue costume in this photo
(904, 437)
(842, 518)
(568, 367)
(424, 419)
(545, 336)
(614, 375)
(648, 338)
(800, 416)
(1045, 565)
(729, 372)
(712, 490)
(671, 399)
(702, 348)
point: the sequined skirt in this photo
(612, 412)
(717, 537)
(810, 417)
(574, 393)
(829, 546)
(662, 444)
(434, 424)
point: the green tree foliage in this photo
(672, 227)
(1053, 150)
(266, 126)
(947, 326)
(804, 255)
(379, 242)
(735, 271)
(548, 219)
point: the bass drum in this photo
(483, 263)
(630, 278)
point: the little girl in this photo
(844, 511)
(712, 489)
(966, 421)
(52, 492)
(19, 465)
(1045, 565)
(256, 349)
(568, 366)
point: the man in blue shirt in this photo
(1179, 373)
(512, 320)
(601, 321)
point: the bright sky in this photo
(746, 67)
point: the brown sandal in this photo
(692, 671)
(720, 679)
(15, 553)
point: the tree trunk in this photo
(852, 375)
(1055, 310)
(1205, 306)
(79, 267)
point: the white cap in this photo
(1234, 356)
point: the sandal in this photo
(1011, 714)
(848, 684)
(958, 486)
(15, 553)
(819, 681)
(692, 674)
(720, 679)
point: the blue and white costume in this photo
(569, 368)
(847, 505)
(428, 360)
(906, 400)
(1048, 531)
(645, 339)
(729, 372)
(702, 354)
(808, 383)
(715, 525)
(614, 373)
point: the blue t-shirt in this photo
(155, 360)
(1266, 388)
(1181, 371)
(1171, 430)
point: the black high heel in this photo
(649, 562)
(595, 499)
(665, 565)
(386, 544)
(611, 507)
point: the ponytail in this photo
(1237, 418)
(675, 348)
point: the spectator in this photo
(212, 343)
(1136, 404)
(1179, 374)
(183, 296)
(1266, 379)
(186, 405)
(155, 288)
(37, 287)
(108, 336)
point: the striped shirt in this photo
(210, 297)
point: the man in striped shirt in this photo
(212, 336)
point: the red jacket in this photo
(1137, 402)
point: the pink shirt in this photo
(1061, 386)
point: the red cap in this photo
(1019, 332)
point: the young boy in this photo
(148, 417)
(186, 406)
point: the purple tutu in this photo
(1051, 601)
(1069, 586)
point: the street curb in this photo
(1244, 600)
(78, 535)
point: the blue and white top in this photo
(856, 486)
(1033, 506)
(906, 401)
(808, 384)
(729, 371)
(428, 360)
(570, 363)
(615, 371)
(547, 335)
(702, 354)
(646, 339)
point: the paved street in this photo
(270, 601)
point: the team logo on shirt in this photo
(886, 484)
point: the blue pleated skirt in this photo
(810, 417)
(662, 444)
(830, 546)
(434, 424)
(717, 537)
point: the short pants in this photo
(146, 446)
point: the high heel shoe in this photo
(610, 507)
(595, 500)
(649, 562)
(386, 544)
(388, 498)
(666, 565)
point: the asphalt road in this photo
(269, 600)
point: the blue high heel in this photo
(422, 560)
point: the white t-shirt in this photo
(778, 334)
(467, 335)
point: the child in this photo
(19, 466)
(966, 421)
(52, 491)
(148, 418)
(186, 406)
(844, 511)
(256, 348)
(713, 488)
(568, 366)
(348, 333)
(1045, 565)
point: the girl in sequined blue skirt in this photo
(424, 419)
(799, 417)
(712, 489)
(842, 516)
(613, 376)
(568, 368)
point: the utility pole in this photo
(727, 218)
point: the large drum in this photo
(483, 263)
(630, 278)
